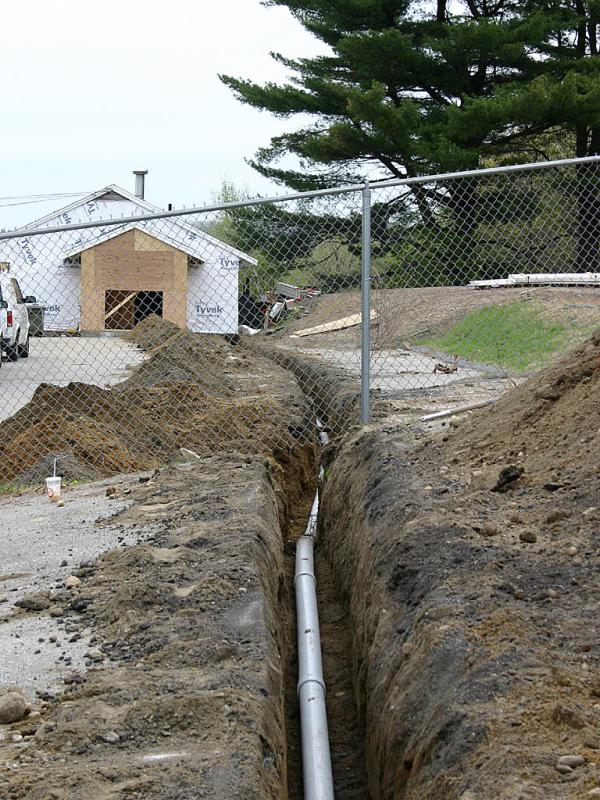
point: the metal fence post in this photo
(365, 365)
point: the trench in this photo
(346, 735)
(333, 397)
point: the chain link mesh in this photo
(481, 280)
(125, 340)
(124, 343)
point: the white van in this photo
(14, 319)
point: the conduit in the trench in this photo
(317, 774)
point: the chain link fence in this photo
(483, 277)
(129, 333)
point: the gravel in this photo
(40, 547)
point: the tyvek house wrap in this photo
(44, 270)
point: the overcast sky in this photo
(92, 91)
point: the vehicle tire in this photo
(23, 349)
(12, 350)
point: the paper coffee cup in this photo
(53, 488)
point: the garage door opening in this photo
(123, 308)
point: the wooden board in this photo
(336, 325)
(114, 310)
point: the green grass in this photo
(19, 489)
(520, 336)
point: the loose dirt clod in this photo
(507, 477)
(13, 707)
(38, 601)
(530, 537)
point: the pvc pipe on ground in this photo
(459, 410)
(316, 758)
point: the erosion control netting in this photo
(192, 391)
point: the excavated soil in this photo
(193, 391)
(185, 698)
(459, 598)
(468, 561)
(549, 426)
(195, 626)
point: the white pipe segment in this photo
(316, 758)
(460, 410)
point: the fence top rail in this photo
(476, 173)
(352, 188)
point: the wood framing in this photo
(133, 262)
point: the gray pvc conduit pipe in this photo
(316, 758)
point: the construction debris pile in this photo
(274, 306)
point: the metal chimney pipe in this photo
(140, 177)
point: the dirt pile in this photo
(474, 610)
(177, 355)
(550, 425)
(183, 697)
(193, 391)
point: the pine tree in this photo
(414, 89)
(416, 92)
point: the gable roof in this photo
(193, 243)
(188, 235)
(112, 188)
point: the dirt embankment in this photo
(193, 391)
(334, 394)
(408, 314)
(185, 696)
(472, 594)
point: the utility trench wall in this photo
(405, 666)
(405, 581)
(467, 563)
(474, 622)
